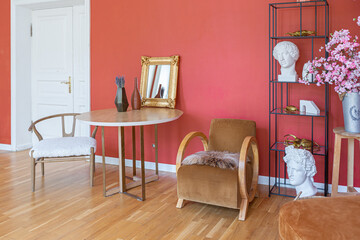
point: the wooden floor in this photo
(64, 206)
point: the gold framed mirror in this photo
(158, 84)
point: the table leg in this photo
(134, 150)
(142, 162)
(122, 185)
(336, 165)
(350, 168)
(156, 150)
(103, 161)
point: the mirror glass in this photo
(158, 81)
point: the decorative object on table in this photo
(304, 33)
(121, 101)
(286, 53)
(156, 71)
(291, 109)
(341, 69)
(135, 97)
(301, 169)
(310, 77)
(300, 142)
(309, 107)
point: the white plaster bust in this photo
(287, 53)
(301, 170)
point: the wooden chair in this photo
(233, 188)
(63, 149)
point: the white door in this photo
(53, 66)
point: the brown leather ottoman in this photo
(321, 218)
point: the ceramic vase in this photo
(351, 111)
(135, 97)
(121, 101)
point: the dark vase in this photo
(135, 97)
(121, 101)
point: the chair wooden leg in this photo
(243, 209)
(92, 167)
(32, 173)
(180, 203)
(42, 168)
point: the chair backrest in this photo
(62, 116)
(229, 134)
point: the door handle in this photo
(68, 82)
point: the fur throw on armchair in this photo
(225, 160)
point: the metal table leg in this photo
(156, 151)
(103, 160)
(134, 150)
(121, 160)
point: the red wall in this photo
(223, 72)
(5, 105)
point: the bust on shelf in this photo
(301, 170)
(286, 53)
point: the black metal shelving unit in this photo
(279, 92)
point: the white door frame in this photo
(21, 65)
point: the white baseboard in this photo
(23, 147)
(9, 147)
(6, 147)
(128, 162)
(263, 180)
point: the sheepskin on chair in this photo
(224, 160)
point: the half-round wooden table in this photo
(141, 118)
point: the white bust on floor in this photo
(286, 53)
(301, 170)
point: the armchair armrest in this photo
(185, 142)
(248, 141)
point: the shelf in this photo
(280, 147)
(300, 37)
(301, 15)
(276, 81)
(298, 4)
(281, 111)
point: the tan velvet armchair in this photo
(233, 188)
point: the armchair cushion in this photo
(63, 147)
(211, 185)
